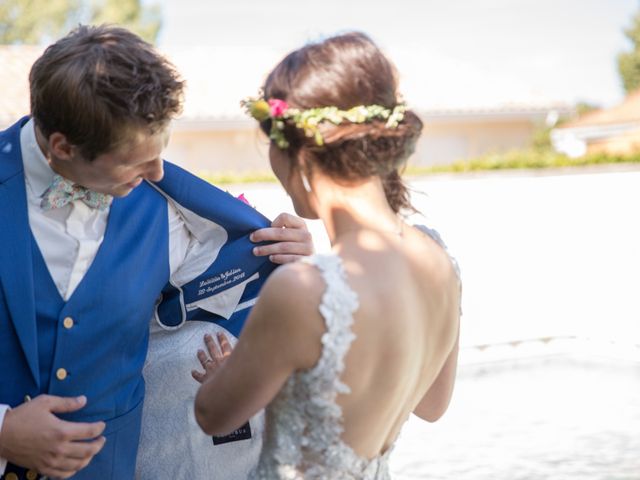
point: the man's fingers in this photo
(290, 236)
(284, 248)
(83, 431)
(66, 468)
(289, 221)
(63, 404)
(84, 450)
(281, 259)
(57, 473)
(270, 234)
(72, 457)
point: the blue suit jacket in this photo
(19, 342)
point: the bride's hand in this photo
(214, 359)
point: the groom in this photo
(93, 226)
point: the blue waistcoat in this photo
(95, 343)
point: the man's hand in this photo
(292, 238)
(33, 437)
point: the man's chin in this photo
(121, 191)
(124, 190)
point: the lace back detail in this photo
(338, 303)
(304, 424)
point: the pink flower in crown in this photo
(277, 107)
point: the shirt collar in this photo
(37, 171)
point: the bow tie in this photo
(62, 191)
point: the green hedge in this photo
(517, 159)
(529, 159)
(227, 178)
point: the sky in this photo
(450, 54)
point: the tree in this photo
(131, 14)
(629, 62)
(42, 21)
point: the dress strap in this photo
(338, 303)
(435, 235)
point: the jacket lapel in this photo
(16, 267)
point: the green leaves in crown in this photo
(308, 120)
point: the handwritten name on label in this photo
(221, 280)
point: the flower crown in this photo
(308, 120)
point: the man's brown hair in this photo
(99, 84)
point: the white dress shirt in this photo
(69, 237)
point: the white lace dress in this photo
(303, 423)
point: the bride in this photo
(340, 348)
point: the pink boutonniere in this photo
(243, 199)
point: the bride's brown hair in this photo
(346, 71)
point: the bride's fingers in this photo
(204, 358)
(197, 376)
(225, 346)
(214, 351)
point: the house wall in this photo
(229, 150)
(244, 149)
(442, 143)
(626, 143)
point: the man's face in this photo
(121, 170)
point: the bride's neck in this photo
(354, 208)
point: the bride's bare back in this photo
(406, 326)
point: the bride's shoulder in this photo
(288, 305)
(293, 289)
(301, 276)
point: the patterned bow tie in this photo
(62, 191)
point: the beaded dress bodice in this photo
(304, 423)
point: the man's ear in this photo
(60, 148)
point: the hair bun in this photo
(344, 72)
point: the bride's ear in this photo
(303, 180)
(305, 165)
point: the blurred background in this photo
(497, 82)
(529, 165)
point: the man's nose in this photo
(155, 171)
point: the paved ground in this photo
(544, 418)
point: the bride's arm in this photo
(282, 334)
(436, 401)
